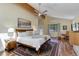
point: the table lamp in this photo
(11, 32)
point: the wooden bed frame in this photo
(24, 30)
(38, 52)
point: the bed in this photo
(34, 41)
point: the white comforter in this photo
(34, 42)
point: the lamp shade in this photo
(11, 30)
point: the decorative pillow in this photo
(36, 33)
(21, 34)
(29, 33)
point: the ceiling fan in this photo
(39, 13)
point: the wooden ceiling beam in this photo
(31, 9)
(28, 7)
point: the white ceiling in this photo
(61, 10)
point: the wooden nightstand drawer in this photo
(10, 44)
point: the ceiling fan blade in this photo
(38, 12)
(44, 11)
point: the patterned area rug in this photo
(50, 48)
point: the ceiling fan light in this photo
(39, 14)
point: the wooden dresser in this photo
(74, 38)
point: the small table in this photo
(10, 44)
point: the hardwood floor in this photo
(64, 50)
(6, 53)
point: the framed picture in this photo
(64, 27)
(23, 23)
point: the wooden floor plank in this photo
(65, 49)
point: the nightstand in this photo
(10, 44)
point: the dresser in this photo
(74, 38)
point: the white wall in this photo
(9, 13)
(61, 21)
(76, 19)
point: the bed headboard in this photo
(22, 30)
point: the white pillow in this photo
(22, 34)
(36, 32)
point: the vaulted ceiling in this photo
(61, 10)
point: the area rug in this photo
(50, 48)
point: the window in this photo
(75, 26)
(54, 27)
